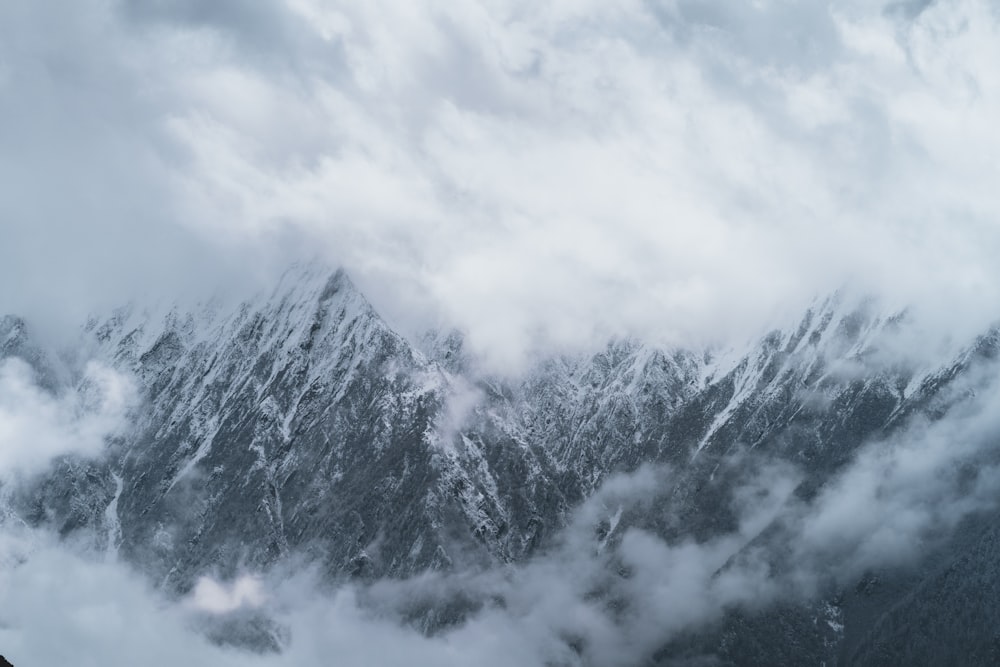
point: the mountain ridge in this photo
(300, 425)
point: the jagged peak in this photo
(319, 282)
(312, 313)
(298, 292)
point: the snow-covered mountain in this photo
(299, 426)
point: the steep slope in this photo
(296, 423)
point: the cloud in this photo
(36, 426)
(902, 497)
(87, 209)
(216, 598)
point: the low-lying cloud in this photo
(37, 426)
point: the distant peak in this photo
(315, 283)
(308, 278)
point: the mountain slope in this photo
(298, 425)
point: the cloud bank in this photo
(535, 175)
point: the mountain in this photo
(298, 426)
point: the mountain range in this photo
(299, 427)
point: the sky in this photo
(538, 175)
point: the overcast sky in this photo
(533, 173)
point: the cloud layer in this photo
(536, 175)
(610, 597)
(36, 427)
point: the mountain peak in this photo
(315, 281)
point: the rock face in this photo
(300, 425)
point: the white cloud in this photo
(214, 597)
(61, 609)
(548, 175)
(36, 426)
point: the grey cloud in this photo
(266, 35)
(261, 23)
(908, 8)
(797, 36)
(536, 176)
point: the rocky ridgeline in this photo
(300, 425)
